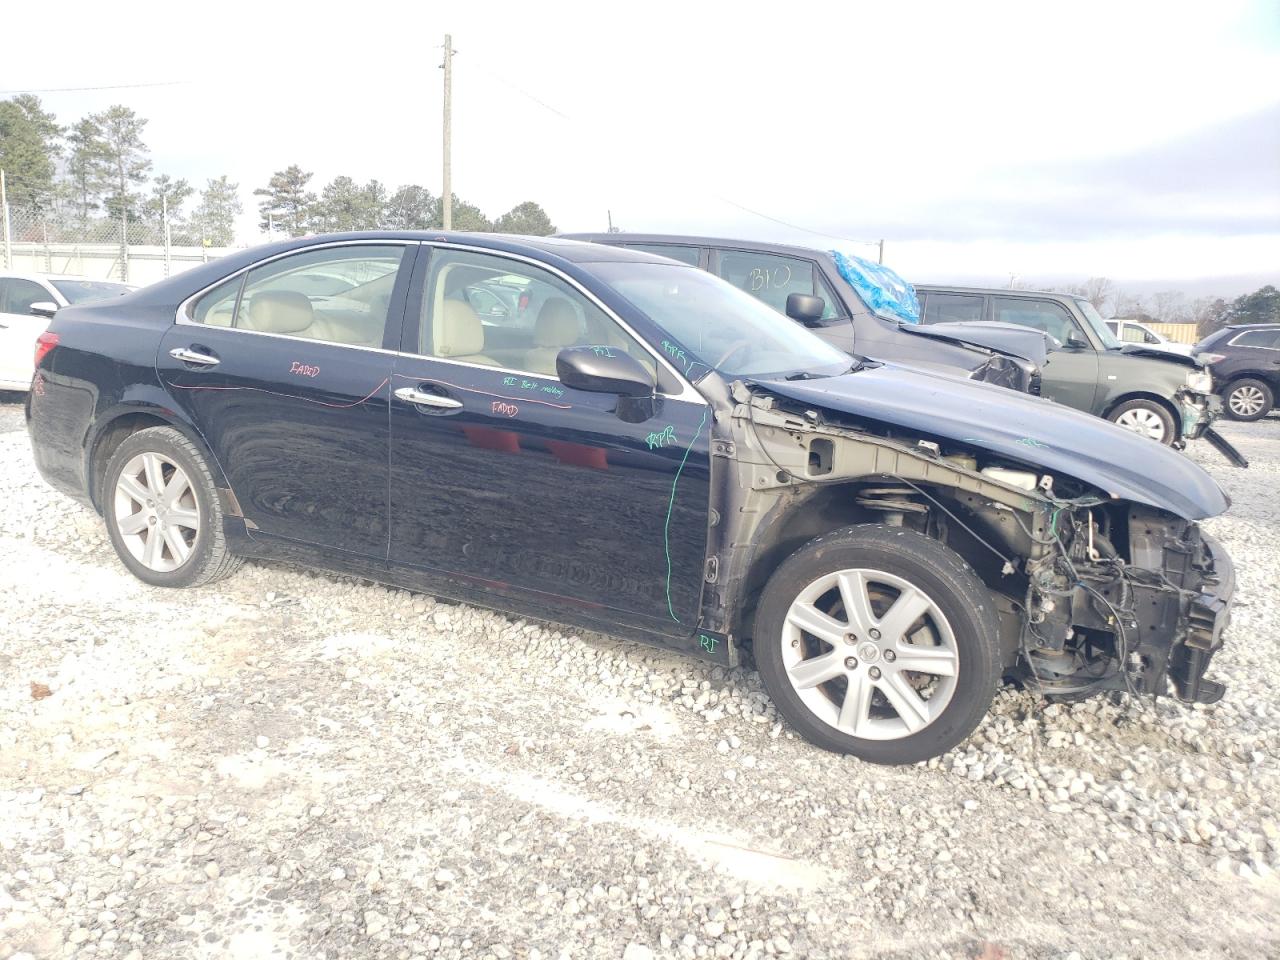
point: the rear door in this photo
(19, 329)
(1071, 372)
(509, 483)
(286, 371)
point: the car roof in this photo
(19, 275)
(1252, 326)
(998, 291)
(574, 251)
(758, 246)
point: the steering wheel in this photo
(733, 351)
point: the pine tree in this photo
(289, 205)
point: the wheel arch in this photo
(1163, 402)
(112, 428)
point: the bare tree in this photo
(1169, 306)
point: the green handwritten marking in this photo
(671, 504)
(1032, 442)
(707, 643)
(665, 436)
(602, 351)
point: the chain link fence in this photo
(139, 252)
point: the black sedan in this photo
(605, 438)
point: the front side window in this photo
(687, 255)
(338, 295)
(771, 278)
(715, 324)
(495, 312)
(1042, 315)
(17, 296)
(952, 308)
(1097, 324)
(1132, 334)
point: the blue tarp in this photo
(886, 293)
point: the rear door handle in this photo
(422, 398)
(187, 355)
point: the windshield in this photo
(1099, 325)
(714, 324)
(80, 291)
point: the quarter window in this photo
(1036, 314)
(496, 312)
(952, 308)
(772, 278)
(338, 295)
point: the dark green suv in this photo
(1160, 395)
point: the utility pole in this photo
(164, 215)
(8, 239)
(446, 198)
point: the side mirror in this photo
(43, 308)
(808, 310)
(1076, 342)
(604, 369)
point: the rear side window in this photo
(687, 255)
(1133, 334)
(952, 308)
(1257, 338)
(1037, 314)
(772, 278)
(338, 295)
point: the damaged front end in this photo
(1094, 591)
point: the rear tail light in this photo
(44, 343)
(1208, 358)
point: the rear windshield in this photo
(81, 291)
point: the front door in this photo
(18, 330)
(1071, 372)
(285, 372)
(514, 485)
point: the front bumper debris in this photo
(1208, 616)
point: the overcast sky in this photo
(981, 140)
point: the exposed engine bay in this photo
(1093, 592)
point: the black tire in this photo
(210, 558)
(1169, 427)
(935, 570)
(1242, 389)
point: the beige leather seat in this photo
(557, 327)
(278, 311)
(458, 334)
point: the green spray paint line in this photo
(671, 505)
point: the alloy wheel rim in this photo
(870, 654)
(1246, 401)
(1142, 421)
(156, 512)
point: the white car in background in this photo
(1131, 331)
(27, 302)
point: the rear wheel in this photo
(163, 513)
(1146, 418)
(1248, 400)
(878, 642)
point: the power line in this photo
(723, 199)
(115, 86)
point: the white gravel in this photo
(292, 764)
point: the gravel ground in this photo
(292, 764)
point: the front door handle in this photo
(187, 355)
(414, 395)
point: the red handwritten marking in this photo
(456, 386)
(504, 409)
(289, 396)
(303, 369)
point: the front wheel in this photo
(1147, 419)
(879, 642)
(163, 513)
(1248, 400)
